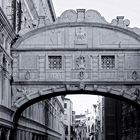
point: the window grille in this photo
(108, 62)
(55, 62)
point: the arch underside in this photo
(127, 92)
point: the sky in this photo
(109, 9)
(82, 102)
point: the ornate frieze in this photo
(27, 93)
(119, 21)
(80, 36)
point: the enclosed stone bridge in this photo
(80, 53)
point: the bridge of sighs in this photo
(80, 53)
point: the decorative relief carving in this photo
(136, 95)
(20, 92)
(94, 16)
(80, 36)
(81, 75)
(80, 15)
(15, 55)
(68, 16)
(80, 62)
(134, 75)
(27, 75)
(82, 85)
(120, 22)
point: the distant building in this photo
(99, 110)
(90, 123)
(68, 119)
(80, 127)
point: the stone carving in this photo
(134, 75)
(80, 15)
(80, 62)
(136, 95)
(94, 16)
(27, 75)
(80, 36)
(15, 55)
(120, 22)
(20, 92)
(82, 85)
(68, 16)
(81, 75)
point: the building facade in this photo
(120, 120)
(68, 119)
(112, 119)
(7, 34)
(80, 127)
(43, 120)
(80, 53)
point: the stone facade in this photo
(6, 36)
(79, 52)
(68, 120)
(43, 120)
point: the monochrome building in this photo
(68, 119)
(80, 127)
(44, 58)
(43, 120)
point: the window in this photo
(65, 105)
(108, 62)
(55, 62)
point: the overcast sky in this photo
(108, 9)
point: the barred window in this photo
(108, 62)
(55, 62)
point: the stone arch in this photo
(119, 89)
(121, 93)
(39, 95)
